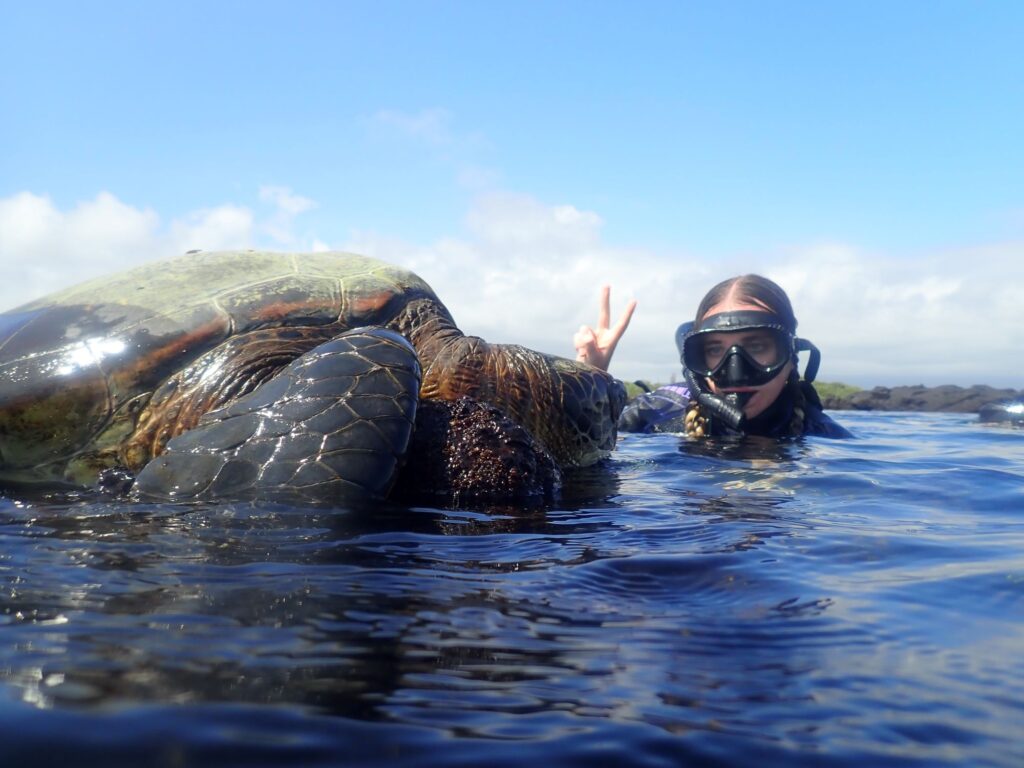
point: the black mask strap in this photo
(681, 333)
(803, 345)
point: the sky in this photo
(518, 155)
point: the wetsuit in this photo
(664, 410)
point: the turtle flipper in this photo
(334, 425)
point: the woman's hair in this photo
(752, 289)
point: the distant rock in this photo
(1003, 413)
(947, 398)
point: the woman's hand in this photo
(596, 346)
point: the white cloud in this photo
(286, 205)
(210, 229)
(946, 317)
(530, 273)
(516, 222)
(523, 271)
(48, 249)
(108, 225)
(287, 202)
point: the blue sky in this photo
(517, 155)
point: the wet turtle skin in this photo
(334, 424)
(105, 374)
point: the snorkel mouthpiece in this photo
(738, 399)
(728, 408)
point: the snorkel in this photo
(728, 407)
(758, 347)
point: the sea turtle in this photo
(283, 375)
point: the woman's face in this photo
(759, 345)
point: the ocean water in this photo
(823, 603)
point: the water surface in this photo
(820, 603)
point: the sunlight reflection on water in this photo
(821, 603)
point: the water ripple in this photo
(828, 603)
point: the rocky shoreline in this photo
(946, 398)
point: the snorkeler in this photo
(740, 368)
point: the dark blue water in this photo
(824, 603)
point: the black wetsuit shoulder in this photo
(820, 424)
(664, 410)
(816, 421)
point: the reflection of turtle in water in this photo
(286, 376)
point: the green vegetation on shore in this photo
(834, 390)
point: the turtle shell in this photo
(77, 366)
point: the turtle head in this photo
(581, 428)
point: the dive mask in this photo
(762, 346)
